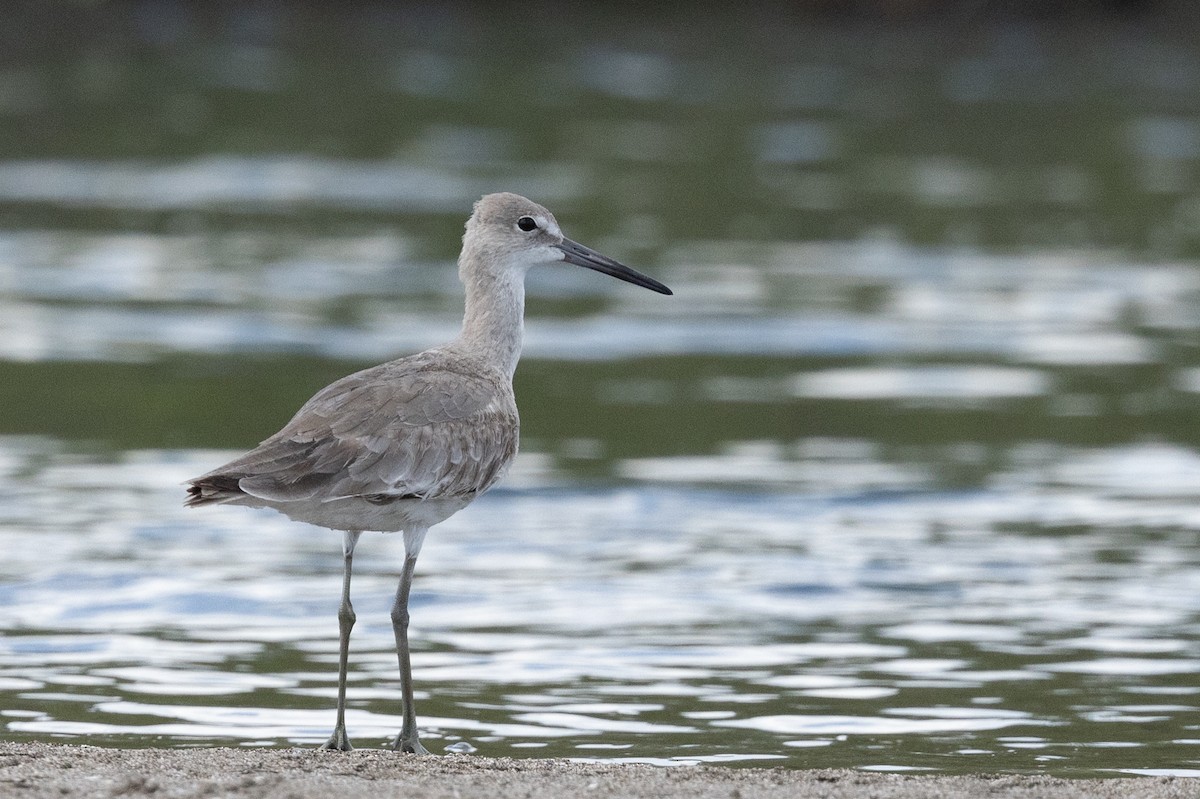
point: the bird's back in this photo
(434, 429)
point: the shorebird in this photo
(404, 445)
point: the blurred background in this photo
(903, 477)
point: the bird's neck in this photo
(494, 321)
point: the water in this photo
(1040, 621)
(904, 477)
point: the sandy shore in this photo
(33, 771)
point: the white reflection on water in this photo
(224, 182)
(923, 383)
(128, 296)
(940, 720)
(795, 622)
(818, 465)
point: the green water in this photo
(903, 476)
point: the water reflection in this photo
(810, 626)
(905, 479)
(121, 297)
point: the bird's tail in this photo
(211, 490)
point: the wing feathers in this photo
(410, 428)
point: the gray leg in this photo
(407, 740)
(339, 740)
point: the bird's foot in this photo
(339, 741)
(409, 744)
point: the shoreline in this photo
(37, 770)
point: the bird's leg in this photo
(339, 740)
(407, 740)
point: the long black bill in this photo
(576, 253)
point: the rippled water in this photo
(905, 476)
(854, 617)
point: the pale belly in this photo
(360, 515)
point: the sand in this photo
(36, 770)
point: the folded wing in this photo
(418, 428)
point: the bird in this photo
(404, 445)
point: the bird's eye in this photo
(527, 223)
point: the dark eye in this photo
(527, 223)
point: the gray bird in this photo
(407, 444)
